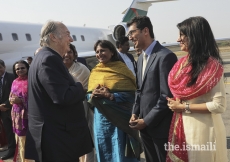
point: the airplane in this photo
(20, 40)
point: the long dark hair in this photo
(201, 45)
(110, 46)
(22, 62)
(73, 48)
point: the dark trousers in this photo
(154, 148)
(7, 124)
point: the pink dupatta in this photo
(177, 80)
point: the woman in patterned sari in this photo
(197, 132)
(111, 90)
(19, 113)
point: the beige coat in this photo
(80, 73)
(207, 130)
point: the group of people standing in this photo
(174, 105)
(14, 92)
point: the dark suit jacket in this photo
(6, 88)
(58, 130)
(150, 100)
(132, 60)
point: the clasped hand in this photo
(14, 99)
(175, 105)
(136, 123)
(101, 92)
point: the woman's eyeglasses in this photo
(22, 68)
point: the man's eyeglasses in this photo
(131, 32)
(22, 68)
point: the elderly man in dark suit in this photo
(6, 80)
(58, 130)
(151, 114)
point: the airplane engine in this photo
(119, 31)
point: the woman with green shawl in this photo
(111, 91)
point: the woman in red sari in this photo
(197, 132)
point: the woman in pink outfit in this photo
(19, 99)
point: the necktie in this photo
(144, 64)
(0, 89)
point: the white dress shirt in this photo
(128, 62)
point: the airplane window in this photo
(82, 38)
(74, 38)
(28, 37)
(15, 36)
(0, 37)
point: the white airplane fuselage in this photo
(20, 40)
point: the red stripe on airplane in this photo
(135, 11)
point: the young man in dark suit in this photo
(151, 114)
(6, 80)
(122, 45)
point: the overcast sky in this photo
(102, 13)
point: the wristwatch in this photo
(187, 109)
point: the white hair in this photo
(47, 29)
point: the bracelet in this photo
(187, 108)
